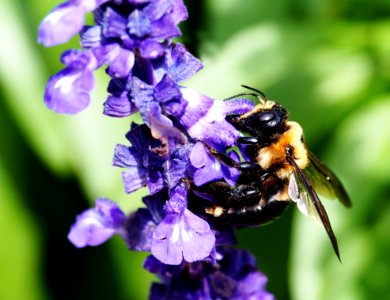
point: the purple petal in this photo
(139, 230)
(182, 64)
(200, 240)
(175, 169)
(155, 181)
(209, 168)
(177, 200)
(157, 9)
(142, 94)
(141, 138)
(179, 63)
(151, 49)
(231, 174)
(114, 25)
(155, 204)
(125, 157)
(238, 106)
(253, 284)
(90, 36)
(96, 225)
(121, 63)
(164, 28)
(135, 2)
(179, 13)
(61, 24)
(204, 119)
(138, 24)
(167, 90)
(79, 59)
(134, 179)
(199, 155)
(119, 106)
(181, 236)
(161, 126)
(68, 91)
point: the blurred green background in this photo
(327, 61)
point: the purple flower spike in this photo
(96, 225)
(181, 234)
(68, 91)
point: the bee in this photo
(279, 170)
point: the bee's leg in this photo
(247, 140)
(240, 123)
(236, 121)
(242, 166)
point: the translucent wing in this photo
(302, 192)
(325, 182)
(299, 195)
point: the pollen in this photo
(215, 211)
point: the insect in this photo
(280, 170)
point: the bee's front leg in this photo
(245, 166)
(247, 140)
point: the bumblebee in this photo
(279, 170)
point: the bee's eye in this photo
(266, 117)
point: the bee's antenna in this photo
(241, 94)
(260, 95)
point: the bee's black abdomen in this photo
(253, 215)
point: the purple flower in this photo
(142, 161)
(128, 95)
(64, 21)
(141, 224)
(156, 21)
(177, 62)
(68, 90)
(96, 225)
(154, 101)
(181, 234)
(119, 103)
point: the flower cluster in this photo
(166, 154)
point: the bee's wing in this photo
(299, 195)
(325, 182)
(302, 192)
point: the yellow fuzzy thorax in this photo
(266, 105)
(276, 152)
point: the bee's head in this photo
(265, 121)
